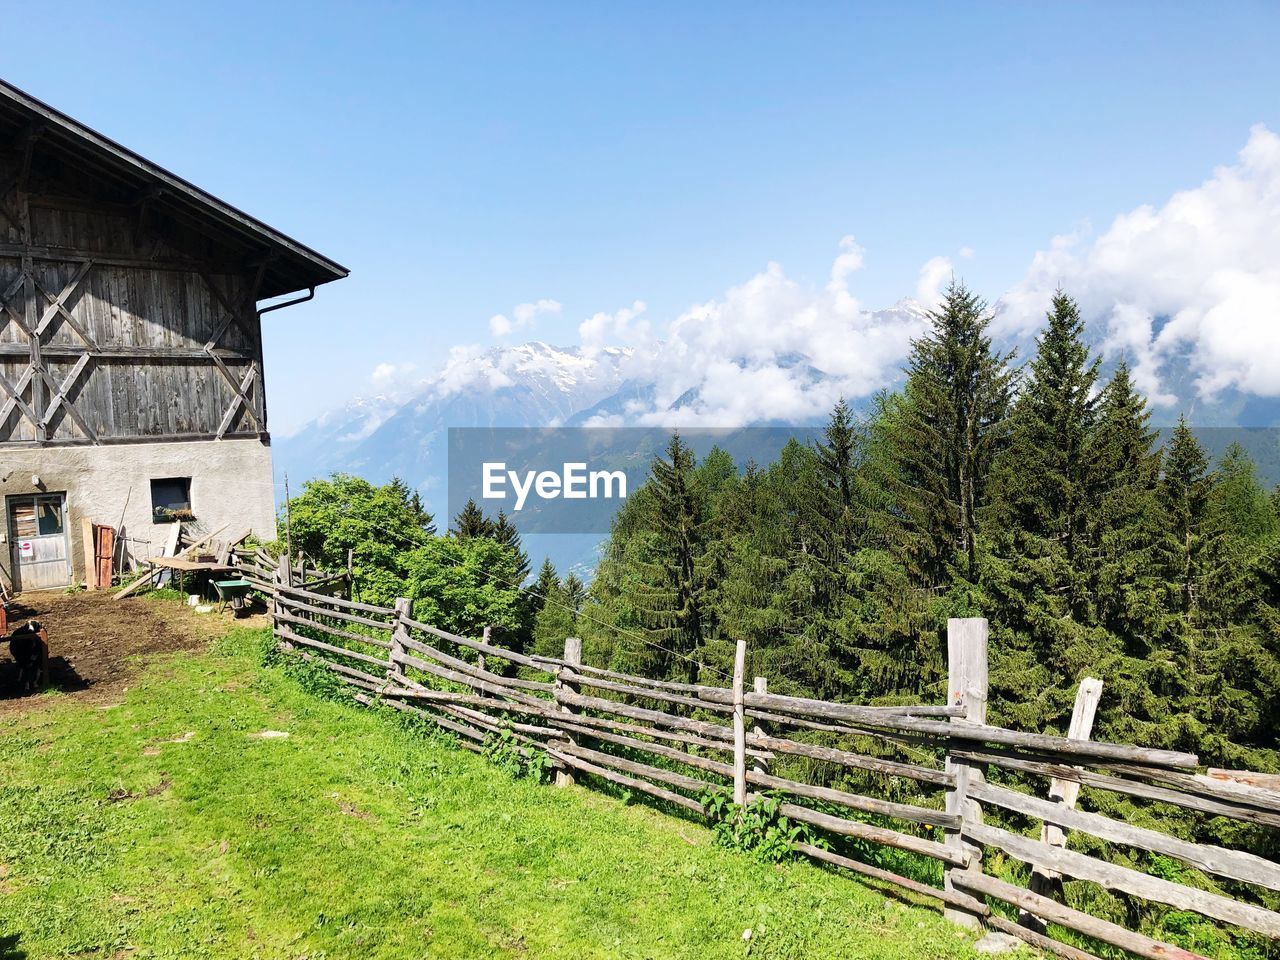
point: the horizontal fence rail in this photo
(828, 766)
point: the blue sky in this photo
(462, 159)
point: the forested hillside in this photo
(1031, 493)
(1034, 496)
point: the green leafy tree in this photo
(378, 524)
(464, 585)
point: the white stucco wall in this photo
(231, 484)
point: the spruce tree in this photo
(814, 652)
(666, 587)
(941, 437)
(547, 580)
(1127, 526)
(575, 594)
(1036, 522)
(504, 532)
(1044, 472)
(757, 536)
(554, 622)
(839, 457)
(1184, 495)
(413, 503)
(471, 522)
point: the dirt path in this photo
(92, 640)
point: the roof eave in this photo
(326, 270)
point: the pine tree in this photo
(1044, 472)
(471, 522)
(575, 594)
(1127, 527)
(1184, 495)
(940, 437)
(669, 591)
(546, 582)
(504, 532)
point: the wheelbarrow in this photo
(233, 592)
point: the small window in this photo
(171, 499)
(49, 515)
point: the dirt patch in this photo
(94, 641)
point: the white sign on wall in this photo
(26, 548)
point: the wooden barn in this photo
(131, 386)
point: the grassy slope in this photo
(352, 838)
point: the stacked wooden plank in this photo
(673, 741)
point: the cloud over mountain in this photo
(769, 349)
(1188, 291)
(1194, 282)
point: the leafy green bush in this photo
(756, 828)
(504, 750)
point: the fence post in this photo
(572, 658)
(404, 609)
(279, 579)
(758, 763)
(488, 633)
(351, 572)
(1045, 882)
(739, 727)
(967, 687)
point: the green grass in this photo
(162, 827)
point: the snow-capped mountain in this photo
(530, 385)
(538, 385)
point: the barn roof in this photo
(292, 266)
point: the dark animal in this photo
(29, 645)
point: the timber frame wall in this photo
(128, 296)
(107, 333)
(673, 741)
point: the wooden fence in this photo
(260, 569)
(832, 766)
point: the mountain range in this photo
(535, 384)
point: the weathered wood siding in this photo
(114, 329)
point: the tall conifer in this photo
(942, 436)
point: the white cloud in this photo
(934, 277)
(767, 349)
(620, 326)
(1195, 281)
(467, 365)
(388, 377)
(522, 315)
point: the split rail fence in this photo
(673, 741)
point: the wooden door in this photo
(38, 541)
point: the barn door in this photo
(38, 541)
